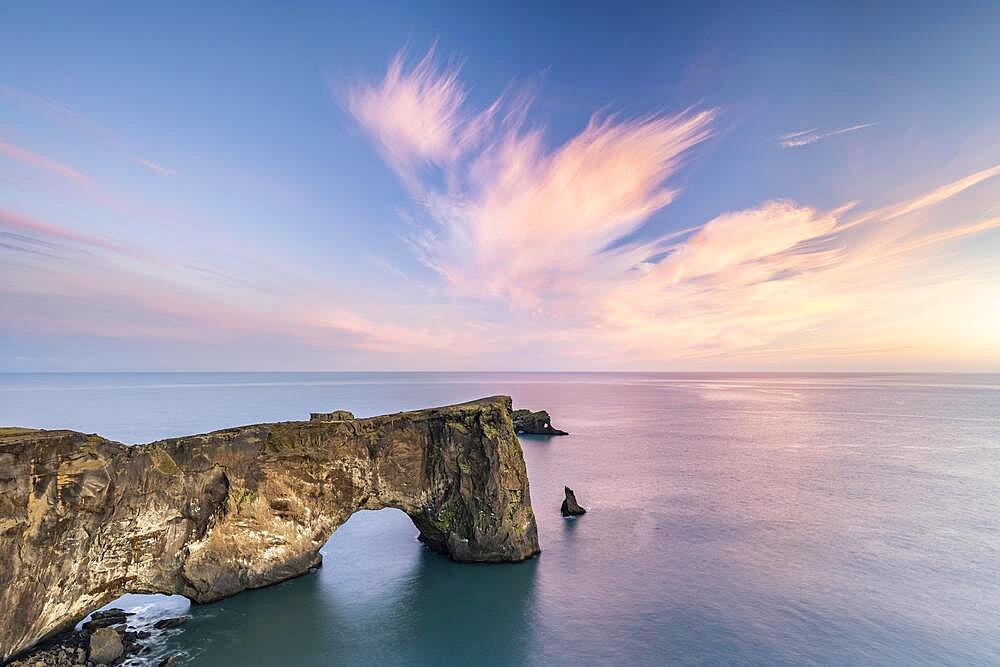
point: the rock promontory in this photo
(84, 519)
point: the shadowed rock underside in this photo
(84, 519)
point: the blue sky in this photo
(594, 187)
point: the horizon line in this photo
(512, 372)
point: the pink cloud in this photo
(34, 226)
(87, 186)
(519, 230)
(502, 216)
(415, 114)
(41, 162)
(757, 283)
(733, 239)
(938, 195)
(127, 293)
(514, 218)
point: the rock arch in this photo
(84, 519)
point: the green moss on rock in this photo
(163, 462)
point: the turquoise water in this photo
(734, 520)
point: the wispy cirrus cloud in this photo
(500, 215)
(775, 276)
(32, 227)
(939, 194)
(806, 137)
(39, 102)
(155, 167)
(416, 115)
(510, 217)
(68, 116)
(55, 280)
(37, 161)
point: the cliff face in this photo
(84, 519)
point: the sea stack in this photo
(569, 505)
(534, 423)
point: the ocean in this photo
(733, 519)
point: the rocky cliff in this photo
(84, 519)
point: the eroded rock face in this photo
(569, 505)
(335, 416)
(534, 423)
(84, 519)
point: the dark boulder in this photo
(106, 618)
(165, 623)
(569, 505)
(534, 423)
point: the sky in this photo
(442, 186)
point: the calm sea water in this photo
(734, 520)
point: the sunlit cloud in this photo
(416, 115)
(750, 283)
(806, 137)
(522, 248)
(513, 217)
(735, 239)
(939, 194)
(500, 215)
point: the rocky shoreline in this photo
(108, 637)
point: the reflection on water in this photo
(787, 519)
